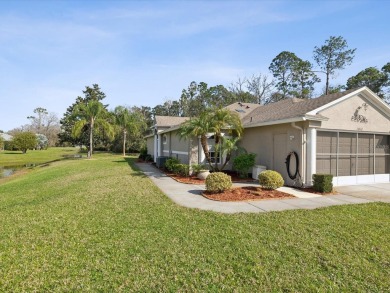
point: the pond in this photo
(9, 170)
(6, 171)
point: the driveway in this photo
(375, 192)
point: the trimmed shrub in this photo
(170, 164)
(270, 179)
(323, 182)
(243, 162)
(182, 169)
(218, 182)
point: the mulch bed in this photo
(196, 180)
(246, 193)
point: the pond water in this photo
(6, 171)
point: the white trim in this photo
(175, 152)
(311, 154)
(273, 122)
(180, 153)
(361, 179)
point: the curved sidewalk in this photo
(189, 195)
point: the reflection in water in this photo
(8, 171)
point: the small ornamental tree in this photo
(24, 141)
(42, 142)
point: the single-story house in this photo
(346, 134)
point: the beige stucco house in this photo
(346, 134)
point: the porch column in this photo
(155, 151)
(159, 148)
(311, 154)
(200, 152)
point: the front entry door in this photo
(280, 154)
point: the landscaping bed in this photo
(246, 193)
(196, 180)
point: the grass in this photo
(101, 225)
(17, 158)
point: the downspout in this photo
(303, 150)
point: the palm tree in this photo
(229, 145)
(212, 121)
(198, 127)
(122, 120)
(224, 120)
(90, 114)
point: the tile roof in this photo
(289, 108)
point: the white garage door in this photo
(353, 158)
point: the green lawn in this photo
(100, 225)
(16, 158)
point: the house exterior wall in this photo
(150, 145)
(265, 141)
(175, 147)
(342, 116)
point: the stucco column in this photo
(155, 152)
(311, 155)
(201, 153)
(159, 148)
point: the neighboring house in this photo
(346, 134)
(7, 138)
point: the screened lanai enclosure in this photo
(353, 158)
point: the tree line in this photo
(89, 122)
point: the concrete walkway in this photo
(189, 195)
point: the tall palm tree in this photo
(90, 114)
(123, 121)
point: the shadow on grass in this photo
(131, 162)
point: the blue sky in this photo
(146, 52)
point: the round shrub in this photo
(270, 179)
(218, 182)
